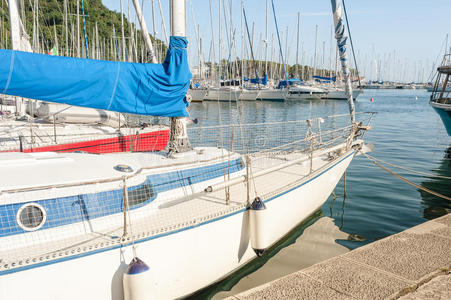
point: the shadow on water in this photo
(434, 206)
(227, 283)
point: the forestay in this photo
(145, 89)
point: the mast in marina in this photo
(297, 47)
(280, 44)
(78, 29)
(66, 50)
(14, 25)
(330, 52)
(122, 31)
(219, 42)
(340, 35)
(266, 40)
(178, 139)
(314, 59)
(144, 31)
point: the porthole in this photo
(31, 216)
(240, 163)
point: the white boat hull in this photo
(340, 94)
(222, 95)
(305, 93)
(272, 94)
(248, 95)
(197, 95)
(304, 96)
(182, 261)
(63, 113)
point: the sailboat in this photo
(46, 126)
(158, 225)
(441, 95)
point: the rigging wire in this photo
(280, 45)
(352, 45)
(250, 45)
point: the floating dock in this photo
(413, 264)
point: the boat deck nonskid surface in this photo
(170, 216)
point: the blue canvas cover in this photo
(145, 89)
(263, 80)
(291, 81)
(325, 79)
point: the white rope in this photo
(407, 169)
(407, 181)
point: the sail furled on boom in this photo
(137, 88)
(340, 36)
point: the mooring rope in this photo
(406, 180)
(407, 169)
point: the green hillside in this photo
(51, 18)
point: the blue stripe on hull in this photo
(73, 209)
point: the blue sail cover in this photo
(263, 80)
(291, 81)
(145, 89)
(325, 79)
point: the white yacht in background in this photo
(305, 92)
(339, 93)
(272, 94)
(198, 94)
(224, 93)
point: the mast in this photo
(56, 39)
(178, 138)
(122, 31)
(162, 22)
(266, 40)
(84, 29)
(144, 31)
(341, 37)
(36, 11)
(297, 48)
(242, 42)
(65, 29)
(14, 24)
(78, 29)
(330, 53)
(314, 59)
(130, 34)
(280, 44)
(97, 43)
(322, 61)
(219, 43)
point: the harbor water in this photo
(405, 131)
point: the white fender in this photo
(137, 281)
(258, 225)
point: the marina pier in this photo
(413, 264)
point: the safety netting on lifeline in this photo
(227, 168)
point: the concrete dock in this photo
(413, 264)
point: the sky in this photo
(393, 39)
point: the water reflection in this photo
(244, 112)
(434, 206)
(309, 243)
